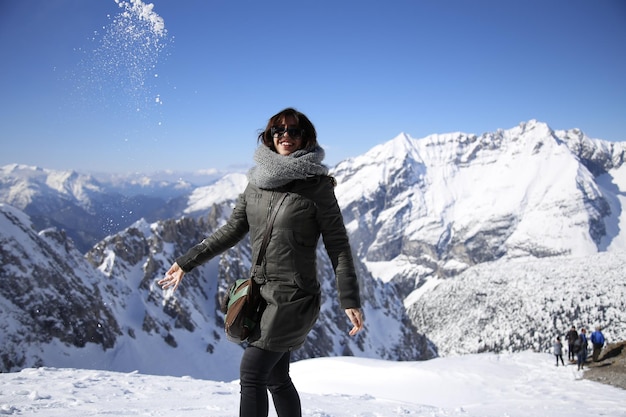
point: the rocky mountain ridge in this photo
(104, 309)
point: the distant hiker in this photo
(571, 338)
(597, 340)
(582, 348)
(558, 351)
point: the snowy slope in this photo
(486, 385)
(224, 190)
(520, 304)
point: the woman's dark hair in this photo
(309, 136)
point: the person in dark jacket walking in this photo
(571, 338)
(582, 350)
(288, 161)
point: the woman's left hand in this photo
(356, 318)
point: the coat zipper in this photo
(269, 206)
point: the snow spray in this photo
(121, 70)
(118, 87)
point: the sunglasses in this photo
(293, 132)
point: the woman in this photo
(558, 350)
(288, 160)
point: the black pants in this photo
(571, 354)
(262, 370)
(559, 356)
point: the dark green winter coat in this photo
(289, 283)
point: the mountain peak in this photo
(531, 127)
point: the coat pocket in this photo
(304, 266)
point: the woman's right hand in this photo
(172, 278)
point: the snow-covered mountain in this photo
(103, 310)
(446, 216)
(86, 208)
(455, 200)
(463, 243)
(90, 207)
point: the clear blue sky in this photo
(74, 95)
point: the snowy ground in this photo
(522, 384)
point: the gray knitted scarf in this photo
(274, 170)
